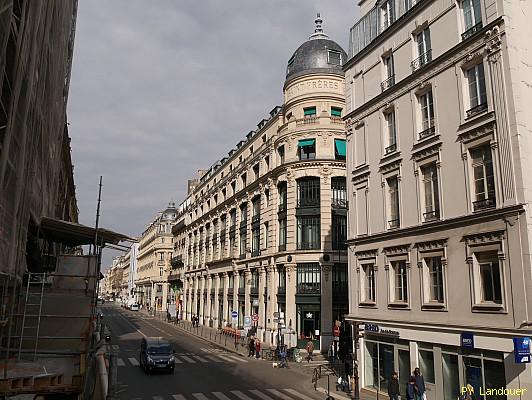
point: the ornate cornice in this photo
(366, 254)
(431, 245)
(484, 238)
(396, 250)
(426, 152)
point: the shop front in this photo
(448, 364)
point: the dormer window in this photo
(290, 63)
(334, 57)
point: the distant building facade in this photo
(265, 227)
(438, 154)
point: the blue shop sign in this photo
(467, 340)
(522, 349)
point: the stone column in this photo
(273, 283)
(291, 282)
(291, 202)
(216, 317)
(247, 291)
(201, 298)
(208, 285)
(326, 335)
(262, 306)
(225, 305)
(236, 276)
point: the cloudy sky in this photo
(163, 88)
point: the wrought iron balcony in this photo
(388, 83)
(431, 215)
(393, 223)
(255, 253)
(339, 203)
(254, 290)
(308, 288)
(282, 207)
(472, 31)
(485, 204)
(390, 149)
(308, 202)
(281, 290)
(255, 219)
(422, 60)
(477, 110)
(430, 129)
(308, 245)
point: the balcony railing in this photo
(471, 31)
(431, 215)
(485, 204)
(388, 83)
(308, 288)
(281, 290)
(254, 290)
(430, 129)
(255, 253)
(390, 149)
(230, 292)
(160, 262)
(308, 246)
(255, 219)
(337, 120)
(308, 202)
(476, 110)
(308, 121)
(339, 203)
(282, 207)
(422, 60)
(393, 223)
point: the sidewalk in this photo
(212, 335)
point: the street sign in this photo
(234, 314)
(247, 321)
(255, 317)
(467, 340)
(522, 349)
(336, 331)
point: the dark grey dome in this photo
(170, 213)
(318, 54)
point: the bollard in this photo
(113, 375)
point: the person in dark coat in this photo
(393, 387)
(420, 383)
(251, 347)
(411, 389)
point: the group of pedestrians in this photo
(195, 321)
(254, 347)
(415, 388)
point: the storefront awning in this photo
(340, 147)
(73, 234)
(306, 142)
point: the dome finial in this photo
(318, 32)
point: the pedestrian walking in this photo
(420, 383)
(330, 353)
(469, 394)
(257, 348)
(251, 347)
(411, 389)
(348, 369)
(310, 350)
(283, 355)
(393, 387)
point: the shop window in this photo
(426, 365)
(308, 232)
(380, 363)
(308, 278)
(451, 382)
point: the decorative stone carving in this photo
(480, 131)
(390, 166)
(325, 172)
(326, 269)
(396, 250)
(431, 245)
(493, 44)
(365, 254)
(423, 153)
(484, 238)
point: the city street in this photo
(203, 371)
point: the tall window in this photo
(243, 244)
(472, 17)
(436, 279)
(400, 281)
(308, 232)
(308, 192)
(309, 112)
(484, 182)
(255, 241)
(426, 105)
(391, 133)
(282, 234)
(266, 234)
(244, 180)
(477, 90)
(243, 215)
(369, 283)
(282, 196)
(256, 207)
(389, 72)
(490, 277)
(424, 50)
(339, 231)
(308, 278)
(339, 279)
(307, 149)
(388, 13)
(338, 192)
(256, 171)
(282, 280)
(280, 151)
(393, 202)
(431, 192)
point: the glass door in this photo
(404, 370)
(451, 379)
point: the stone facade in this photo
(439, 237)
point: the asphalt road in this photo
(203, 371)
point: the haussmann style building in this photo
(266, 225)
(438, 152)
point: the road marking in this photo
(201, 359)
(220, 396)
(226, 359)
(212, 358)
(179, 397)
(263, 396)
(158, 398)
(297, 394)
(241, 395)
(177, 360)
(279, 394)
(133, 361)
(120, 362)
(237, 359)
(200, 396)
(134, 327)
(188, 359)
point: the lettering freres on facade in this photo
(312, 85)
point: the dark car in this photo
(156, 354)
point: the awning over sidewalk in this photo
(73, 234)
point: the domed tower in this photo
(311, 185)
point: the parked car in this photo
(156, 354)
(134, 307)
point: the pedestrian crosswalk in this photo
(254, 394)
(211, 355)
